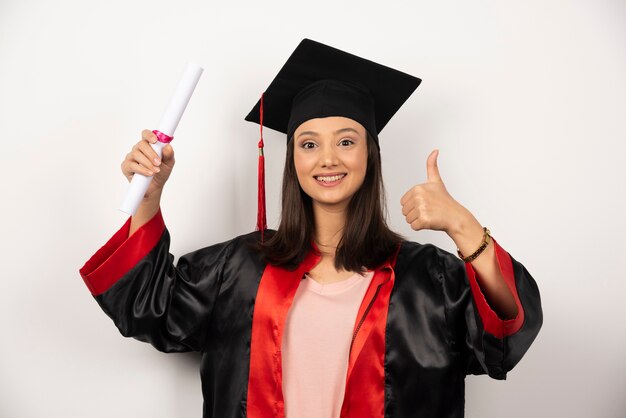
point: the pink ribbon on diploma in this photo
(166, 139)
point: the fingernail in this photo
(157, 169)
(156, 161)
(150, 173)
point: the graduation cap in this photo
(320, 81)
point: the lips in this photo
(329, 180)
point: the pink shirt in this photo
(316, 343)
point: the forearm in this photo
(467, 236)
(146, 211)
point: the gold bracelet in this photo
(480, 249)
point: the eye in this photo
(308, 145)
(346, 142)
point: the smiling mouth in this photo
(329, 179)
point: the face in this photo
(330, 156)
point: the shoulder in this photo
(431, 270)
(241, 247)
(413, 255)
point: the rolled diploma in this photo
(174, 111)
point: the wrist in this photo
(464, 227)
(145, 212)
(154, 196)
(468, 235)
(149, 207)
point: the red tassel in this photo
(261, 220)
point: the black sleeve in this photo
(487, 343)
(137, 285)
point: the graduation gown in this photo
(423, 325)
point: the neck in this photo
(330, 222)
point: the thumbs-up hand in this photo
(430, 206)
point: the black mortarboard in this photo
(320, 81)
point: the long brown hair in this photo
(367, 241)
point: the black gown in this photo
(423, 325)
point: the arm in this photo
(430, 206)
(486, 268)
(133, 277)
(148, 208)
(489, 344)
(135, 282)
(492, 304)
(144, 160)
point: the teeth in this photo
(329, 179)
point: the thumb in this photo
(432, 168)
(167, 154)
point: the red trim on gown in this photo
(495, 326)
(365, 381)
(364, 396)
(120, 254)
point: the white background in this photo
(525, 100)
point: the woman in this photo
(333, 314)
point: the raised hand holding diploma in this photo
(164, 135)
(144, 160)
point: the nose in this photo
(328, 157)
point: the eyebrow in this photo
(313, 133)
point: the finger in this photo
(149, 136)
(128, 173)
(136, 168)
(167, 155)
(432, 168)
(151, 154)
(408, 206)
(412, 216)
(405, 198)
(140, 158)
(417, 225)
